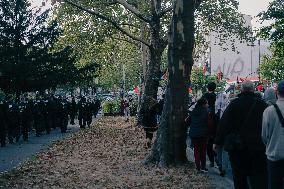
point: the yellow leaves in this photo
(109, 155)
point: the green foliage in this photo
(95, 39)
(26, 62)
(272, 67)
(111, 107)
(199, 81)
(110, 72)
(275, 12)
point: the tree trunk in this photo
(170, 144)
(153, 74)
(144, 63)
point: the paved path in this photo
(217, 181)
(14, 154)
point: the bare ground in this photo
(109, 155)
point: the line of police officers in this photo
(18, 117)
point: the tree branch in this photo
(115, 24)
(197, 3)
(132, 9)
(123, 39)
(162, 13)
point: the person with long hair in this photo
(198, 132)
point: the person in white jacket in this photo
(273, 138)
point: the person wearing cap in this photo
(273, 138)
(242, 120)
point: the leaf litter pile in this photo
(109, 155)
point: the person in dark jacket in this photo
(210, 96)
(149, 121)
(89, 112)
(52, 106)
(72, 111)
(82, 112)
(13, 121)
(243, 117)
(63, 114)
(25, 118)
(198, 132)
(38, 113)
(3, 124)
(97, 107)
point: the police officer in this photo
(82, 112)
(51, 113)
(63, 114)
(23, 119)
(46, 116)
(97, 107)
(38, 113)
(72, 110)
(89, 112)
(3, 124)
(13, 121)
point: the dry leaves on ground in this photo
(109, 155)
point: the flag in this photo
(136, 90)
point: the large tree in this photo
(125, 17)
(26, 60)
(169, 147)
(272, 67)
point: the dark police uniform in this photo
(72, 111)
(82, 113)
(13, 122)
(3, 124)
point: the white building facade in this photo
(242, 63)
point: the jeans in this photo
(199, 146)
(275, 174)
(249, 169)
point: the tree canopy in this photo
(26, 60)
(94, 22)
(272, 67)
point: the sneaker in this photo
(204, 170)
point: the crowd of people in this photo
(19, 116)
(250, 127)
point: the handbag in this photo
(233, 141)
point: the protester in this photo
(221, 104)
(160, 108)
(149, 121)
(273, 138)
(270, 96)
(239, 130)
(126, 107)
(198, 132)
(211, 98)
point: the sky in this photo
(253, 8)
(249, 7)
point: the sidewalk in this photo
(14, 154)
(217, 181)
